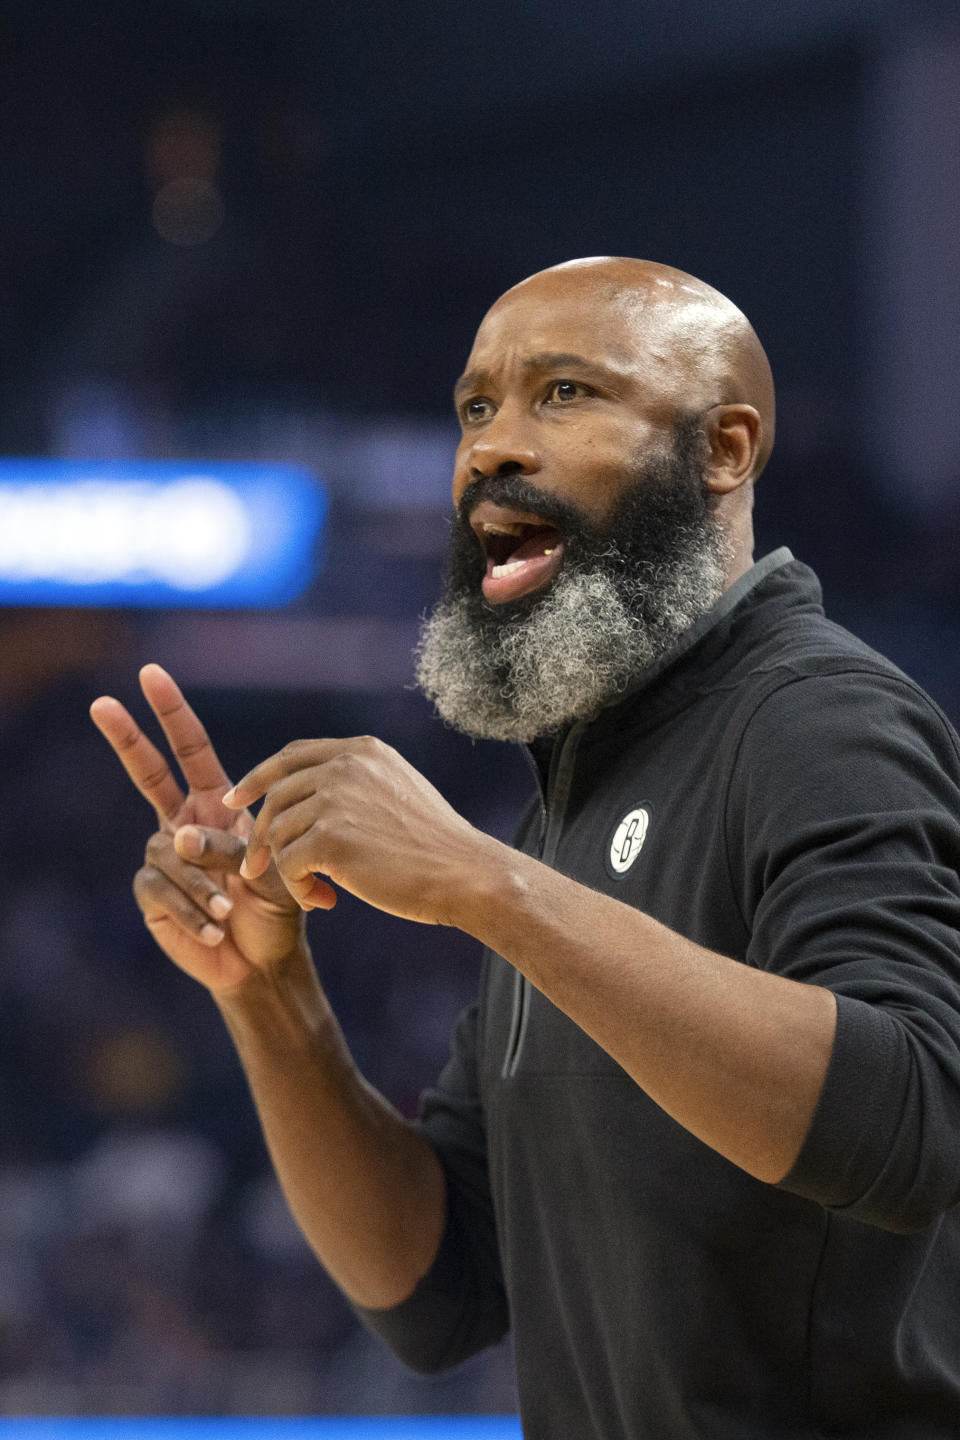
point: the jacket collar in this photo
(773, 588)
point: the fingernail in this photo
(211, 934)
(189, 842)
(243, 868)
(220, 906)
(230, 797)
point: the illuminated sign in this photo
(157, 533)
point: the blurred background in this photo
(255, 230)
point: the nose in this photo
(502, 448)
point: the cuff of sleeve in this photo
(453, 1312)
(858, 1114)
(416, 1329)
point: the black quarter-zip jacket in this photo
(781, 794)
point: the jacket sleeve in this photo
(459, 1307)
(844, 841)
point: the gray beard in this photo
(573, 648)
(579, 650)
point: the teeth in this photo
(493, 527)
(499, 570)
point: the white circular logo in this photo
(628, 840)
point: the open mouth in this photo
(523, 551)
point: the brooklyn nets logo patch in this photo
(626, 841)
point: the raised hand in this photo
(356, 811)
(212, 922)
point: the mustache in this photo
(516, 491)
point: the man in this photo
(698, 1141)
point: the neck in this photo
(734, 516)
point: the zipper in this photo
(553, 809)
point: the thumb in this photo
(209, 848)
(212, 849)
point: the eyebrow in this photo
(544, 360)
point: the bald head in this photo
(701, 350)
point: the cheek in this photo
(603, 460)
(594, 474)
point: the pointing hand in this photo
(355, 811)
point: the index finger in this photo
(188, 739)
(298, 755)
(140, 758)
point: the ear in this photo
(735, 435)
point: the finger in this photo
(188, 739)
(298, 755)
(202, 889)
(140, 758)
(212, 849)
(275, 823)
(297, 865)
(160, 899)
(222, 850)
(321, 896)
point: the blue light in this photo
(157, 533)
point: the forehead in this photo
(540, 319)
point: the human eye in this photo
(561, 392)
(476, 409)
